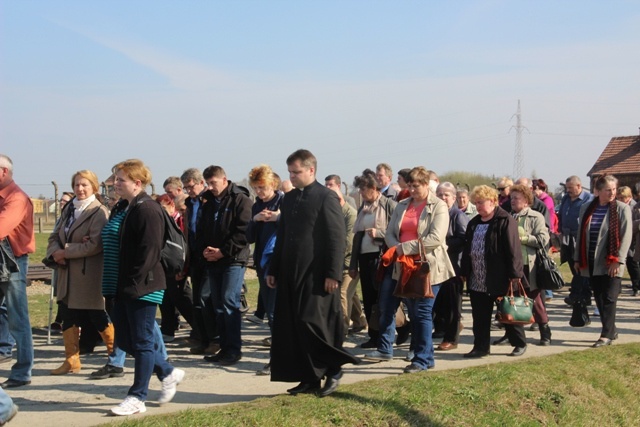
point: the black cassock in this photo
(307, 332)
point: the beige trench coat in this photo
(79, 283)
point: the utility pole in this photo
(518, 156)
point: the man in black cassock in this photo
(306, 268)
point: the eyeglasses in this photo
(502, 188)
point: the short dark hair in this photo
(306, 158)
(335, 178)
(213, 171)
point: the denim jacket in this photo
(8, 264)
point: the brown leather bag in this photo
(419, 284)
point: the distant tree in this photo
(467, 179)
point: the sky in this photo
(179, 84)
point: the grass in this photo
(578, 388)
(41, 248)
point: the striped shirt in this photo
(594, 229)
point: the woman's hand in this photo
(58, 256)
(614, 269)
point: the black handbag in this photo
(580, 315)
(547, 274)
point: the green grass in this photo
(578, 388)
(41, 248)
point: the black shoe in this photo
(403, 334)
(266, 370)
(518, 351)
(534, 327)
(634, 293)
(501, 341)
(544, 342)
(372, 343)
(476, 354)
(330, 384)
(496, 326)
(215, 358)
(413, 368)
(437, 334)
(107, 371)
(602, 342)
(230, 359)
(10, 383)
(305, 388)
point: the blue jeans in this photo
(421, 315)
(117, 357)
(6, 404)
(225, 285)
(387, 305)
(6, 340)
(15, 292)
(135, 324)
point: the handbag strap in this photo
(423, 251)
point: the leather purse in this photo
(547, 274)
(515, 310)
(579, 315)
(419, 283)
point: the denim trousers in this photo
(6, 404)
(137, 334)
(117, 357)
(6, 340)
(225, 285)
(421, 315)
(15, 292)
(387, 305)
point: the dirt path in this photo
(75, 400)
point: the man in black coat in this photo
(307, 267)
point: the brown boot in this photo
(108, 336)
(71, 364)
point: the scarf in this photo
(613, 245)
(380, 222)
(408, 263)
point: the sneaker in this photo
(266, 370)
(168, 338)
(129, 406)
(169, 385)
(596, 312)
(377, 356)
(266, 342)
(254, 319)
(107, 371)
(410, 355)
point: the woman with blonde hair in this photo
(491, 262)
(75, 245)
(261, 231)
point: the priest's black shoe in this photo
(304, 388)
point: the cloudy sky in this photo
(179, 84)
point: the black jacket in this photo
(503, 256)
(141, 241)
(223, 224)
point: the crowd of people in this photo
(311, 244)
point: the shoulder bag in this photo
(547, 274)
(419, 284)
(515, 310)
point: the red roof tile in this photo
(621, 156)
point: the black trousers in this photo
(448, 309)
(177, 296)
(606, 291)
(633, 267)
(368, 266)
(482, 314)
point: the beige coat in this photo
(79, 283)
(536, 232)
(432, 229)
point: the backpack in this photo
(174, 252)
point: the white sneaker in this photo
(129, 406)
(596, 312)
(169, 385)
